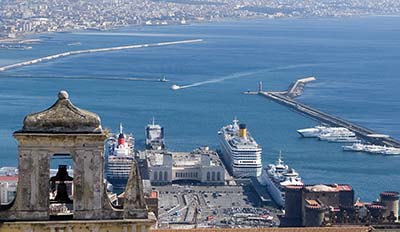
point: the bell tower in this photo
(65, 129)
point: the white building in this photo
(201, 165)
(8, 189)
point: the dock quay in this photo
(362, 132)
(262, 193)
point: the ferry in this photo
(239, 151)
(120, 151)
(311, 132)
(317, 131)
(276, 177)
(155, 137)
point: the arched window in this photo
(213, 176)
(208, 176)
(165, 176)
(218, 176)
(160, 176)
(155, 176)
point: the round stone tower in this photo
(314, 216)
(293, 205)
(391, 201)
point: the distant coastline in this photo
(26, 37)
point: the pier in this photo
(362, 132)
(95, 50)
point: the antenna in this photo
(235, 120)
(120, 128)
(153, 120)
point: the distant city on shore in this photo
(18, 18)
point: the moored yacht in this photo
(318, 131)
(276, 177)
(373, 149)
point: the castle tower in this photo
(293, 206)
(313, 216)
(391, 201)
(64, 129)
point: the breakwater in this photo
(96, 50)
(362, 132)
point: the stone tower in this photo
(66, 129)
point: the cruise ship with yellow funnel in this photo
(239, 150)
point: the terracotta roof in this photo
(153, 194)
(344, 187)
(8, 178)
(390, 194)
(296, 229)
(312, 202)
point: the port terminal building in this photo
(201, 165)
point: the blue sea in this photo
(356, 62)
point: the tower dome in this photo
(62, 117)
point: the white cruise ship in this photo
(120, 158)
(240, 152)
(276, 177)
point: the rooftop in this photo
(8, 178)
(328, 188)
(185, 159)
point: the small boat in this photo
(163, 79)
(175, 87)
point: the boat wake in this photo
(241, 75)
(228, 77)
(79, 52)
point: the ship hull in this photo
(276, 194)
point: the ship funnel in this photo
(121, 137)
(242, 130)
